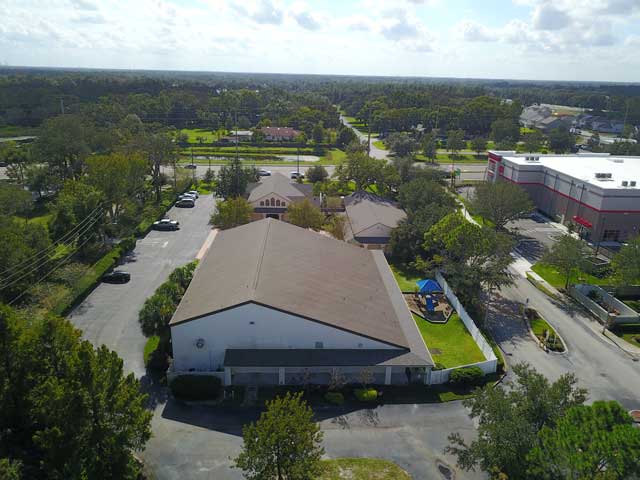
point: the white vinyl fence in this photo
(490, 365)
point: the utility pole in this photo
(237, 165)
(61, 106)
(298, 163)
(369, 133)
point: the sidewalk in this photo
(522, 267)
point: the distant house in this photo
(551, 123)
(272, 195)
(272, 303)
(279, 134)
(533, 115)
(370, 219)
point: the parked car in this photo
(117, 276)
(193, 193)
(190, 166)
(264, 172)
(166, 224)
(3, 164)
(295, 175)
(186, 203)
(187, 195)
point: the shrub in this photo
(196, 387)
(127, 244)
(366, 394)
(468, 376)
(335, 398)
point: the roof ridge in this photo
(263, 248)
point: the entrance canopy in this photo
(428, 286)
(582, 221)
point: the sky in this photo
(517, 39)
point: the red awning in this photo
(582, 221)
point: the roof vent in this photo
(532, 159)
(625, 183)
(603, 176)
(632, 183)
(618, 160)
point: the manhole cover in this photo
(445, 470)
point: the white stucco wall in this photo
(270, 329)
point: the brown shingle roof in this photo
(285, 267)
(278, 184)
(364, 210)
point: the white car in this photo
(194, 193)
(187, 195)
(295, 175)
(263, 172)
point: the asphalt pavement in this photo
(600, 366)
(109, 315)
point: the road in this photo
(109, 315)
(374, 151)
(201, 169)
(601, 367)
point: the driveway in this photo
(601, 367)
(197, 442)
(109, 315)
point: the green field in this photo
(450, 344)
(15, 131)
(558, 280)
(379, 144)
(447, 158)
(208, 135)
(362, 469)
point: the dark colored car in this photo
(117, 276)
(191, 166)
(166, 224)
(186, 203)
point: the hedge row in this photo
(91, 277)
(196, 387)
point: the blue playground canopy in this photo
(428, 286)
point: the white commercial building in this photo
(599, 193)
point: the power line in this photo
(11, 280)
(44, 277)
(53, 246)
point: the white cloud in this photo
(548, 17)
(306, 18)
(472, 31)
(262, 11)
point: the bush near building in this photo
(466, 376)
(196, 387)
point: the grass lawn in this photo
(558, 280)
(333, 157)
(540, 286)
(634, 304)
(362, 469)
(150, 346)
(452, 340)
(630, 333)
(446, 158)
(379, 144)
(205, 188)
(15, 131)
(406, 278)
(208, 135)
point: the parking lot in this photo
(109, 315)
(535, 234)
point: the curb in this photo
(620, 343)
(540, 344)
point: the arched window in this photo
(273, 202)
(277, 202)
